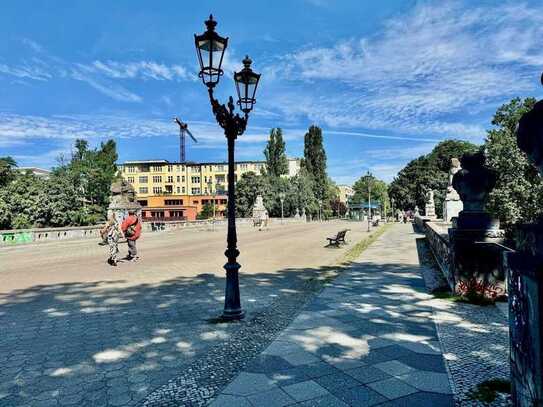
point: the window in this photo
(183, 190)
(144, 190)
(131, 168)
(157, 179)
(156, 168)
(169, 189)
(143, 202)
(195, 202)
(170, 178)
(178, 190)
(220, 167)
(170, 168)
(219, 179)
(195, 191)
(157, 214)
(243, 167)
(170, 202)
(195, 180)
(144, 180)
(178, 178)
(205, 179)
(157, 190)
(130, 180)
(176, 214)
(183, 178)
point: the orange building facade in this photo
(179, 207)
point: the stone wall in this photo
(24, 236)
(438, 240)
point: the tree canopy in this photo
(314, 161)
(518, 194)
(276, 157)
(427, 172)
(76, 192)
(379, 191)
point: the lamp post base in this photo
(232, 315)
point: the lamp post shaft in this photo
(232, 303)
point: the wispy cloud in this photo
(420, 72)
(110, 78)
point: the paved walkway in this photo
(367, 339)
(75, 331)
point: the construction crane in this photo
(183, 131)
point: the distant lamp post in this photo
(393, 213)
(282, 196)
(369, 177)
(213, 193)
(320, 207)
(210, 48)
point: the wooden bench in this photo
(337, 239)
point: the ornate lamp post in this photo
(210, 48)
(282, 199)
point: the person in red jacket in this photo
(131, 228)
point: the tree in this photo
(207, 211)
(247, 189)
(6, 170)
(379, 191)
(427, 172)
(518, 193)
(276, 157)
(314, 161)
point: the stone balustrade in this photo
(438, 240)
(37, 235)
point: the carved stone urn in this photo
(474, 183)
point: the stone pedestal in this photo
(430, 211)
(122, 200)
(451, 209)
(525, 288)
(475, 264)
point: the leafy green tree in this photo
(301, 193)
(207, 211)
(247, 189)
(6, 170)
(379, 191)
(314, 161)
(427, 172)
(518, 194)
(276, 157)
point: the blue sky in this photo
(385, 80)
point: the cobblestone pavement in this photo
(77, 332)
(475, 340)
(367, 339)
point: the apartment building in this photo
(161, 177)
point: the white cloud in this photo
(426, 72)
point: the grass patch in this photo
(488, 390)
(354, 252)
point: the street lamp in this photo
(213, 193)
(368, 176)
(282, 199)
(210, 48)
(393, 213)
(320, 205)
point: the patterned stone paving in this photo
(367, 339)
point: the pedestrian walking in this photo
(131, 228)
(111, 233)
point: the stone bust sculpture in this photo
(530, 135)
(452, 195)
(474, 182)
